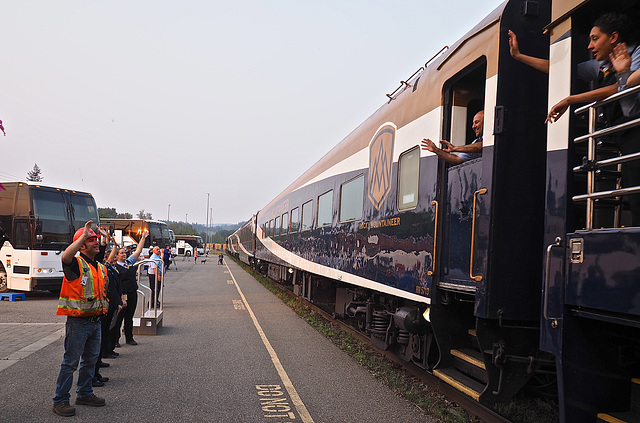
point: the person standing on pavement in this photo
(128, 275)
(83, 300)
(114, 295)
(166, 256)
(155, 273)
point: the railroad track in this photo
(476, 411)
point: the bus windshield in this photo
(84, 209)
(52, 220)
(54, 227)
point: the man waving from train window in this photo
(465, 152)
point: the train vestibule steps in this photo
(631, 416)
(468, 373)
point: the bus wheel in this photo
(3, 282)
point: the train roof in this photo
(360, 137)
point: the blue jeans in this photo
(82, 340)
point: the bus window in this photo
(52, 219)
(21, 235)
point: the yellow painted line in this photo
(468, 359)
(608, 418)
(295, 398)
(459, 386)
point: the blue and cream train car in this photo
(242, 243)
(472, 271)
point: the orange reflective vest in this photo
(86, 295)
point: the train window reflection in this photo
(408, 178)
(285, 223)
(325, 209)
(277, 228)
(271, 227)
(295, 222)
(307, 215)
(352, 199)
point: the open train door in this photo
(464, 97)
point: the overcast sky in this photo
(149, 103)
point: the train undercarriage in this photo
(490, 360)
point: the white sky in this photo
(149, 103)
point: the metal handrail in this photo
(610, 162)
(591, 165)
(481, 191)
(435, 239)
(547, 277)
(610, 99)
(159, 294)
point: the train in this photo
(517, 269)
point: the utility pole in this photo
(168, 211)
(207, 222)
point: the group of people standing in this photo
(98, 298)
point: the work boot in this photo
(64, 409)
(91, 400)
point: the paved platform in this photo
(228, 351)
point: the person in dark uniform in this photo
(114, 295)
(128, 276)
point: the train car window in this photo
(408, 179)
(285, 223)
(325, 209)
(264, 231)
(278, 228)
(271, 227)
(307, 215)
(352, 199)
(295, 222)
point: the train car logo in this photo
(381, 165)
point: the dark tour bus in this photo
(129, 231)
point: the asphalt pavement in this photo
(228, 351)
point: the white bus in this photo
(38, 223)
(186, 244)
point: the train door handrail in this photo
(435, 239)
(481, 191)
(591, 166)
